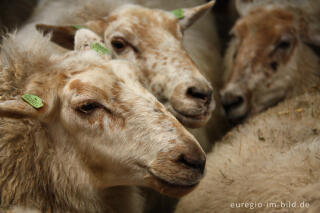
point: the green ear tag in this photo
(77, 27)
(100, 49)
(33, 100)
(178, 13)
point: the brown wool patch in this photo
(100, 120)
(76, 72)
(147, 74)
(116, 91)
(84, 88)
(111, 19)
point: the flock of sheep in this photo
(133, 95)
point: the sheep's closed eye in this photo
(88, 108)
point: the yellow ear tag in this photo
(100, 49)
(33, 100)
(178, 13)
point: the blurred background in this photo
(15, 12)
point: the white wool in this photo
(274, 157)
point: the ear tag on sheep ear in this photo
(100, 49)
(78, 27)
(33, 100)
(178, 13)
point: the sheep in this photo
(273, 55)
(272, 158)
(152, 39)
(205, 53)
(92, 137)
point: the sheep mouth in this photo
(201, 116)
(192, 120)
(167, 182)
(169, 188)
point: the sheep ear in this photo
(188, 16)
(243, 6)
(65, 35)
(61, 35)
(84, 39)
(17, 109)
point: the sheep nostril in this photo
(196, 93)
(230, 102)
(194, 163)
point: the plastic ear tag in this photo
(33, 100)
(100, 49)
(178, 13)
(77, 27)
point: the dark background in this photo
(13, 13)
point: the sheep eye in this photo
(88, 108)
(119, 44)
(284, 45)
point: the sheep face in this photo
(152, 39)
(132, 138)
(260, 61)
(122, 135)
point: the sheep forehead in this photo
(88, 82)
(84, 62)
(258, 34)
(265, 23)
(145, 23)
(109, 80)
(100, 77)
(145, 15)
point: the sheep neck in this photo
(37, 172)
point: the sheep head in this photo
(264, 62)
(152, 39)
(122, 135)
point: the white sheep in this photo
(273, 158)
(152, 39)
(273, 55)
(92, 135)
